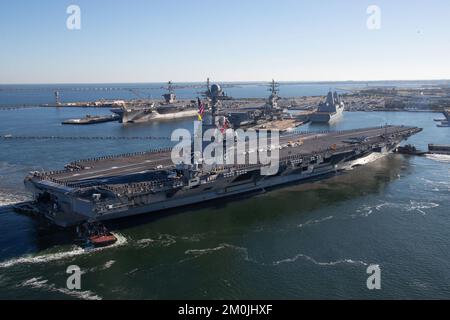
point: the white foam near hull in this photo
(439, 157)
(374, 156)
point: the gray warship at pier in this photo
(330, 110)
(170, 108)
(250, 115)
(265, 115)
(141, 183)
(446, 121)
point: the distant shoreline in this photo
(323, 82)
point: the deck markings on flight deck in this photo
(135, 166)
(121, 167)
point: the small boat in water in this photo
(96, 235)
(103, 240)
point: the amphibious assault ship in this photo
(169, 109)
(330, 110)
(447, 114)
(125, 185)
(446, 122)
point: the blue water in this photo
(312, 240)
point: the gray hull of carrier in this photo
(125, 185)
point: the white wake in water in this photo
(413, 206)
(367, 210)
(166, 240)
(197, 253)
(8, 196)
(7, 199)
(40, 283)
(310, 222)
(439, 157)
(437, 185)
(45, 258)
(200, 252)
(308, 258)
(103, 267)
(163, 240)
(421, 206)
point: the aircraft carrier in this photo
(124, 185)
(167, 110)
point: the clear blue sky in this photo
(229, 40)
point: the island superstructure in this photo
(125, 185)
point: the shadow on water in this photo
(312, 194)
(44, 234)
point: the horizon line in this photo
(221, 81)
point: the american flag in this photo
(201, 109)
(225, 125)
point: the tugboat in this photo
(96, 235)
(410, 149)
